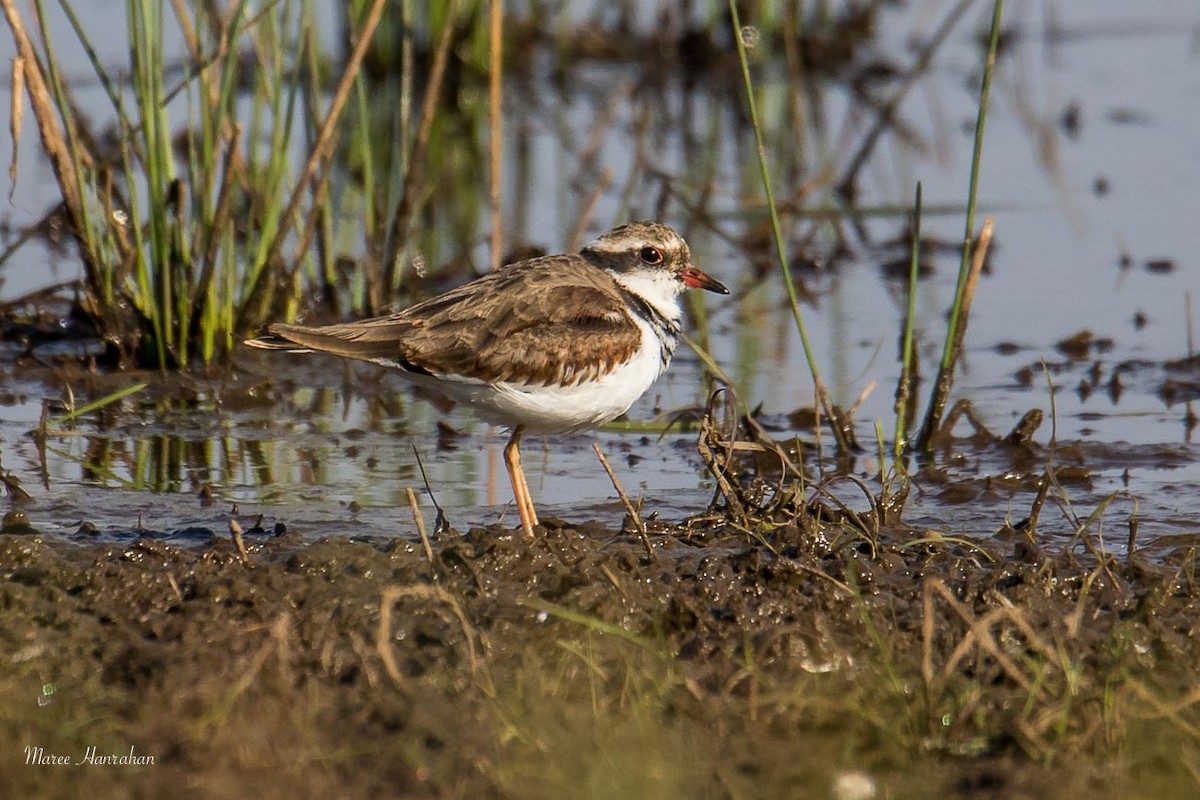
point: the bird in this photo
(557, 344)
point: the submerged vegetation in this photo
(800, 637)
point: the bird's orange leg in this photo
(516, 476)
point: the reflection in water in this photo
(337, 456)
(339, 460)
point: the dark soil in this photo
(575, 665)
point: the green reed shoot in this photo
(973, 187)
(945, 378)
(99, 403)
(777, 231)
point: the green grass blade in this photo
(973, 189)
(839, 431)
(97, 404)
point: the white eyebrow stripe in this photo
(622, 244)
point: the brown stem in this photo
(321, 149)
(404, 210)
(945, 375)
(495, 143)
(52, 135)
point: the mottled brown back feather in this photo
(554, 320)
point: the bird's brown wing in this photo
(549, 321)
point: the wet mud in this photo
(802, 661)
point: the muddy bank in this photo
(578, 666)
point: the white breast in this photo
(561, 409)
(571, 409)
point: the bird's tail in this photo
(272, 342)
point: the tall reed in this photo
(968, 265)
(841, 432)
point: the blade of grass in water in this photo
(945, 377)
(838, 429)
(96, 404)
(145, 35)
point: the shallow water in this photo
(331, 451)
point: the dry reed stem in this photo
(887, 109)
(979, 636)
(53, 139)
(419, 519)
(709, 437)
(945, 375)
(629, 508)
(190, 39)
(235, 532)
(1162, 708)
(602, 123)
(279, 632)
(927, 639)
(384, 632)
(589, 209)
(16, 113)
(977, 260)
(433, 90)
(324, 144)
(1039, 500)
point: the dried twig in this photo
(384, 633)
(325, 139)
(496, 129)
(399, 234)
(945, 375)
(235, 531)
(53, 138)
(629, 508)
(720, 466)
(420, 520)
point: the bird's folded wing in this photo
(545, 323)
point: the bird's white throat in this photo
(658, 287)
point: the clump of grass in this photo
(187, 239)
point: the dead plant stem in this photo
(43, 111)
(419, 519)
(325, 137)
(945, 375)
(629, 507)
(412, 178)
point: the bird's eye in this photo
(651, 255)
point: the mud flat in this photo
(580, 665)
